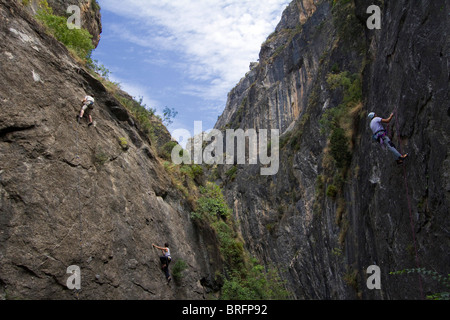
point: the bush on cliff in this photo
(78, 41)
(245, 278)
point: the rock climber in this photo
(165, 260)
(380, 135)
(88, 106)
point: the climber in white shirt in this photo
(379, 134)
(88, 106)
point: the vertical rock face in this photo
(273, 94)
(71, 195)
(322, 224)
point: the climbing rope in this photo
(80, 211)
(409, 203)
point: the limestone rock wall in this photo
(71, 195)
(385, 214)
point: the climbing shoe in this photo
(400, 161)
(90, 124)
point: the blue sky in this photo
(184, 54)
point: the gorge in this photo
(99, 197)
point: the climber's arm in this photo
(388, 119)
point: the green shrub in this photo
(99, 69)
(256, 284)
(335, 119)
(211, 208)
(195, 216)
(100, 157)
(43, 4)
(145, 116)
(197, 170)
(235, 289)
(341, 79)
(352, 96)
(245, 279)
(231, 247)
(168, 115)
(332, 191)
(177, 270)
(77, 40)
(335, 68)
(165, 151)
(346, 23)
(123, 143)
(212, 202)
(339, 148)
(94, 5)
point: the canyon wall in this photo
(338, 206)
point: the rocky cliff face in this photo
(336, 208)
(75, 195)
(279, 82)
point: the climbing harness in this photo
(379, 135)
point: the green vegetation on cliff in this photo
(78, 41)
(244, 277)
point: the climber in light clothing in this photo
(88, 106)
(379, 134)
(165, 260)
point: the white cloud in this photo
(217, 38)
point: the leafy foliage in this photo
(98, 68)
(332, 191)
(346, 23)
(144, 115)
(193, 171)
(123, 143)
(258, 284)
(339, 120)
(352, 96)
(77, 40)
(100, 157)
(94, 5)
(245, 278)
(168, 115)
(165, 151)
(339, 146)
(212, 202)
(177, 270)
